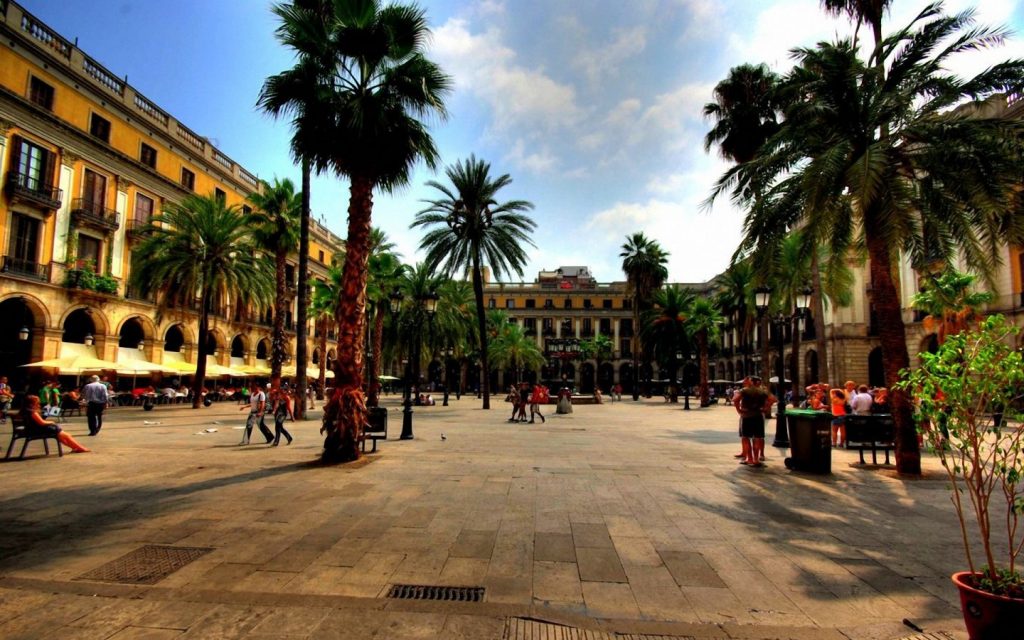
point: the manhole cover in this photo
(435, 592)
(145, 565)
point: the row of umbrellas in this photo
(83, 363)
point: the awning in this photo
(75, 359)
(133, 362)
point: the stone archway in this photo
(174, 338)
(21, 338)
(606, 377)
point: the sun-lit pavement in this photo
(625, 517)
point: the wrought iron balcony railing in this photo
(26, 268)
(22, 187)
(87, 213)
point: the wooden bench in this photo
(376, 427)
(21, 431)
(875, 432)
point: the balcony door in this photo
(25, 242)
(95, 192)
(88, 252)
(33, 164)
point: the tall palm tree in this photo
(204, 248)
(466, 228)
(301, 92)
(378, 87)
(385, 272)
(892, 166)
(868, 12)
(735, 299)
(745, 112)
(416, 326)
(703, 323)
(951, 303)
(274, 225)
(643, 262)
(664, 332)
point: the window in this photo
(147, 155)
(94, 192)
(143, 208)
(40, 93)
(25, 241)
(321, 254)
(586, 303)
(626, 348)
(492, 304)
(246, 209)
(549, 304)
(627, 303)
(588, 327)
(606, 304)
(510, 303)
(530, 325)
(531, 304)
(568, 303)
(99, 128)
(188, 179)
(33, 164)
(88, 251)
(220, 195)
(626, 328)
(549, 326)
(605, 326)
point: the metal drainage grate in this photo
(433, 592)
(145, 565)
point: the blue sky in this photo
(593, 107)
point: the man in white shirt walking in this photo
(95, 394)
(257, 409)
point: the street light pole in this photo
(762, 298)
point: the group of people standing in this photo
(850, 399)
(522, 396)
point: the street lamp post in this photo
(447, 382)
(762, 298)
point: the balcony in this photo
(86, 213)
(136, 230)
(30, 190)
(26, 269)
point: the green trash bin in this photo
(810, 440)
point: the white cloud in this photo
(538, 161)
(602, 60)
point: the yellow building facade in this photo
(86, 161)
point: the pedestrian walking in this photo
(95, 394)
(257, 409)
(564, 401)
(282, 404)
(537, 398)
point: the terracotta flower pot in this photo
(988, 616)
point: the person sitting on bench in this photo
(33, 420)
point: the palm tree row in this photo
(881, 154)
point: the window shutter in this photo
(15, 154)
(51, 163)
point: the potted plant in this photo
(968, 395)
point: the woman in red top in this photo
(838, 417)
(33, 420)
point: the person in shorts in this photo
(752, 402)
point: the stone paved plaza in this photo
(618, 520)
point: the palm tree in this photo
(950, 302)
(664, 332)
(745, 112)
(274, 226)
(891, 166)
(372, 85)
(322, 307)
(862, 11)
(735, 299)
(703, 322)
(415, 325)
(301, 91)
(385, 273)
(467, 228)
(513, 349)
(643, 262)
(201, 247)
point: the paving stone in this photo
(591, 535)
(557, 582)
(554, 547)
(473, 544)
(599, 565)
(608, 600)
(690, 569)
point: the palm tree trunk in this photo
(280, 305)
(818, 309)
(204, 328)
(322, 379)
(481, 320)
(636, 346)
(302, 299)
(346, 411)
(892, 335)
(702, 362)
